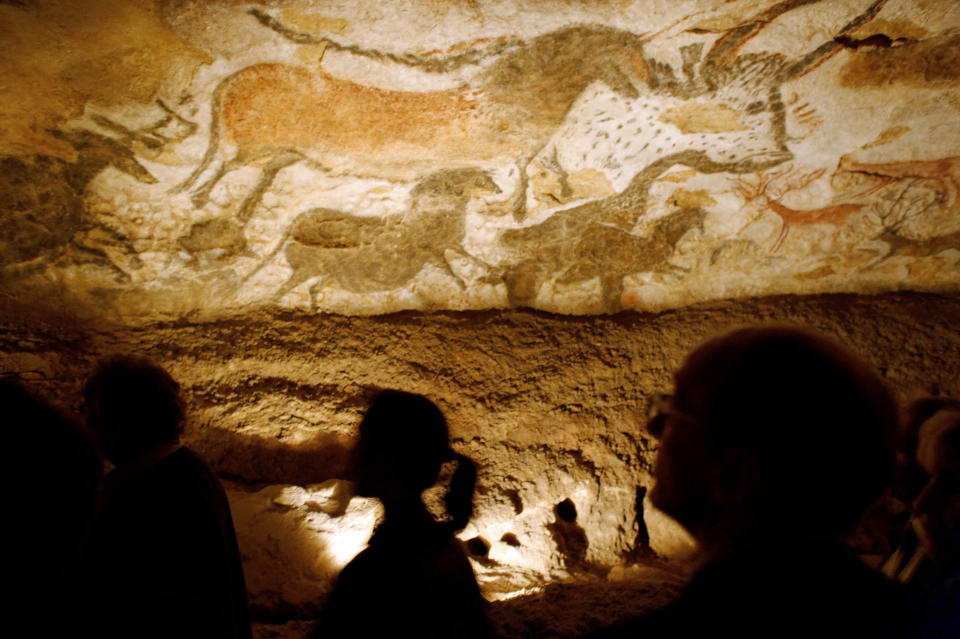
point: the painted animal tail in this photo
(443, 64)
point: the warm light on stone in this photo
(291, 205)
(177, 151)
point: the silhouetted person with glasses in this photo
(163, 558)
(50, 504)
(772, 447)
(413, 579)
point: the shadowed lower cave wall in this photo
(548, 406)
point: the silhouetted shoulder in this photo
(165, 533)
(413, 579)
(409, 583)
(189, 473)
(52, 505)
(821, 590)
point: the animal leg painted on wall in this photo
(773, 186)
(169, 128)
(619, 137)
(576, 245)
(507, 112)
(368, 254)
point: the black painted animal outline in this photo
(718, 69)
(900, 245)
(902, 199)
(587, 242)
(752, 81)
(61, 234)
(171, 127)
(329, 243)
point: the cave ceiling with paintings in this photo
(202, 158)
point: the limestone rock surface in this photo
(528, 211)
(209, 157)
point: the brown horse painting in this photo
(272, 115)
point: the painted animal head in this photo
(457, 183)
(451, 189)
(723, 113)
(96, 152)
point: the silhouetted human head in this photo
(132, 406)
(774, 430)
(938, 506)
(404, 441)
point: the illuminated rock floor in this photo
(559, 610)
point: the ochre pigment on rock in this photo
(529, 213)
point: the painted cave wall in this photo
(529, 211)
(174, 157)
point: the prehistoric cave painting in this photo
(213, 241)
(724, 114)
(899, 244)
(280, 113)
(934, 62)
(804, 113)
(917, 203)
(276, 110)
(582, 243)
(772, 186)
(612, 148)
(367, 254)
(738, 127)
(44, 218)
(943, 173)
(152, 138)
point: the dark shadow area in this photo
(478, 546)
(910, 362)
(640, 552)
(926, 555)
(770, 515)
(570, 537)
(163, 559)
(510, 539)
(51, 512)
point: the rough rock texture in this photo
(250, 191)
(168, 157)
(549, 407)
